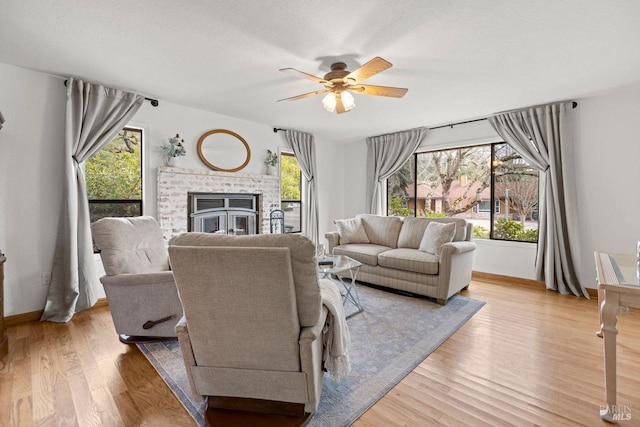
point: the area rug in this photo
(393, 335)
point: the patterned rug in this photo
(389, 339)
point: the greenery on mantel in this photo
(175, 148)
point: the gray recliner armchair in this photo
(139, 285)
(253, 320)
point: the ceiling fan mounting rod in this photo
(338, 73)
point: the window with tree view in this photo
(290, 193)
(114, 177)
(490, 186)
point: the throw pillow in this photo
(351, 231)
(436, 235)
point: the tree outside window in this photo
(516, 186)
(114, 177)
(290, 193)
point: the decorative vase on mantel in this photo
(170, 161)
(173, 150)
(271, 170)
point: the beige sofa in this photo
(392, 258)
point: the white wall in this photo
(608, 171)
(31, 157)
(331, 183)
(355, 198)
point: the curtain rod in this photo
(457, 123)
(574, 104)
(154, 102)
(275, 130)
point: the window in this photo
(114, 177)
(465, 183)
(516, 186)
(290, 193)
(483, 206)
(401, 189)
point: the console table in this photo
(618, 289)
(4, 341)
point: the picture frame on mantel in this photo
(224, 150)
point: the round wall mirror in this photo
(223, 150)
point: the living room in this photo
(606, 146)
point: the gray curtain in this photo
(542, 135)
(94, 115)
(303, 145)
(386, 154)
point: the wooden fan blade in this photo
(304, 95)
(371, 68)
(303, 75)
(394, 92)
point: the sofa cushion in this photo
(365, 253)
(130, 245)
(410, 260)
(413, 230)
(303, 263)
(436, 235)
(382, 230)
(351, 231)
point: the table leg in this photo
(352, 291)
(600, 302)
(609, 315)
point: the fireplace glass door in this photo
(212, 223)
(240, 224)
(234, 214)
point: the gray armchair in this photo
(251, 335)
(139, 285)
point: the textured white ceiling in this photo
(459, 59)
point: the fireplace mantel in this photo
(174, 184)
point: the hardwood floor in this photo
(528, 357)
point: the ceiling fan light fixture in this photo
(329, 101)
(347, 100)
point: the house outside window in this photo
(290, 192)
(466, 183)
(114, 177)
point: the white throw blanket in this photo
(335, 333)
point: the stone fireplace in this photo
(175, 185)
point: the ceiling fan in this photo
(339, 82)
